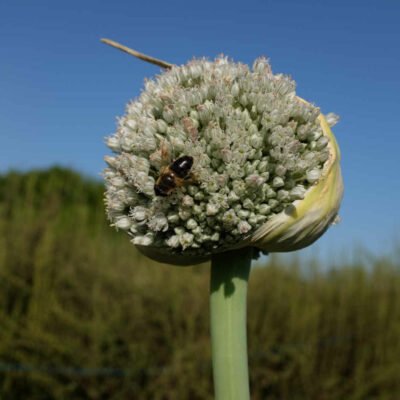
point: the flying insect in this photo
(173, 176)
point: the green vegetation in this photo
(84, 316)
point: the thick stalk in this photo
(228, 294)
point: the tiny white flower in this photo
(123, 223)
(297, 193)
(332, 119)
(145, 240)
(313, 175)
(173, 241)
(113, 143)
(139, 213)
(191, 224)
(244, 227)
(212, 209)
(277, 182)
(186, 239)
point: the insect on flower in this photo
(173, 176)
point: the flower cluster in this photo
(256, 147)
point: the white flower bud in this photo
(192, 190)
(212, 209)
(145, 240)
(323, 156)
(264, 209)
(139, 213)
(173, 241)
(199, 196)
(270, 193)
(135, 228)
(256, 141)
(186, 239)
(314, 135)
(197, 209)
(332, 119)
(282, 195)
(116, 205)
(113, 143)
(235, 90)
(239, 187)
(313, 175)
(187, 201)
(322, 142)
(233, 197)
(243, 214)
(131, 123)
(262, 166)
(215, 237)
(229, 218)
(123, 223)
(184, 214)
(220, 199)
(277, 182)
(112, 161)
(244, 101)
(147, 187)
(173, 218)
(244, 227)
(158, 223)
(168, 115)
(254, 181)
(162, 126)
(280, 170)
(297, 193)
(248, 204)
(110, 173)
(273, 203)
(253, 131)
(191, 224)
(127, 144)
(118, 182)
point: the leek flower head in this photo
(265, 167)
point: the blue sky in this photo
(61, 89)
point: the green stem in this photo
(228, 292)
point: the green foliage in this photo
(84, 316)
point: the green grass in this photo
(84, 316)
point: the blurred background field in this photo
(85, 316)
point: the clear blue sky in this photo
(61, 88)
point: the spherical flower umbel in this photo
(265, 164)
